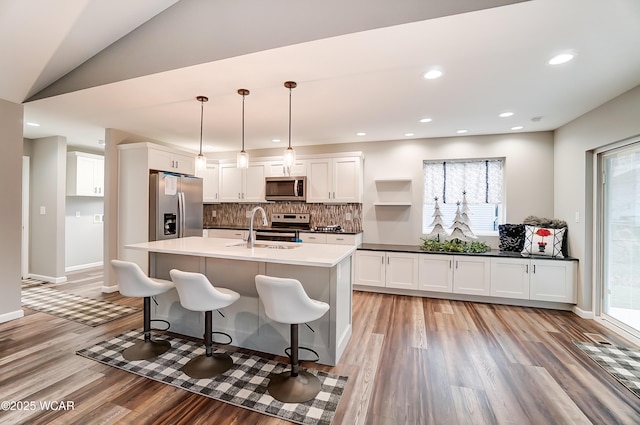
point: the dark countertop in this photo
(276, 229)
(493, 253)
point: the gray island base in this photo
(325, 272)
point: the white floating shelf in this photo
(392, 204)
(393, 180)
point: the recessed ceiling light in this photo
(275, 140)
(409, 134)
(426, 120)
(432, 74)
(506, 114)
(33, 124)
(561, 58)
(361, 133)
(461, 131)
(517, 127)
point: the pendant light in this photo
(243, 157)
(289, 153)
(201, 160)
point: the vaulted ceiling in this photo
(82, 66)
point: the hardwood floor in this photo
(410, 361)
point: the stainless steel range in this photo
(285, 227)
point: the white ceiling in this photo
(494, 60)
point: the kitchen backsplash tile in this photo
(235, 215)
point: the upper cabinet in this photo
(166, 160)
(242, 185)
(85, 174)
(336, 180)
(277, 169)
(210, 182)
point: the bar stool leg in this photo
(294, 386)
(147, 349)
(208, 365)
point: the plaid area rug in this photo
(244, 385)
(84, 310)
(622, 363)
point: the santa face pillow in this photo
(543, 241)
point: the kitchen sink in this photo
(264, 245)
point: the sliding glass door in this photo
(620, 233)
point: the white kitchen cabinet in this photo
(277, 169)
(471, 275)
(401, 270)
(211, 182)
(534, 279)
(435, 273)
(370, 268)
(334, 180)
(85, 174)
(242, 185)
(166, 160)
(386, 269)
(510, 277)
(331, 238)
(553, 280)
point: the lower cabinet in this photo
(540, 280)
(516, 278)
(387, 269)
(471, 275)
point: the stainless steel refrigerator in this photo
(175, 206)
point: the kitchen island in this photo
(325, 272)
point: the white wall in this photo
(616, 120)
(11, 211)
(48, 177)
(83, 234)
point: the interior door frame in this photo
(26, 197)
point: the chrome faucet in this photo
(251, 238)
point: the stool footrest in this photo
(315, 353)
(163, 321)
(225, 334)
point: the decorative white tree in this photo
(460, 227)
(438, 232)
(464, 216)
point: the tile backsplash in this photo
(235, 215)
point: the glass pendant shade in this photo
(289, 158)
(201, 162)
(242, 159)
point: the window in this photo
(480, 180)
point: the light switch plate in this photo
(43, 210)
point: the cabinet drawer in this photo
(341, 239)
(313, 237)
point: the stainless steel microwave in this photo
(286, 188)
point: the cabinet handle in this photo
(312, 237)
(526, 268)
(534, 268)
(173, 164)
(387, 260)
(381, 260)
(339, 239)
(456, 264)
(239, 195)
(329, 196)
(177, 165)
(449, 263)
(334, 195)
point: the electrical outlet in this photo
(248, 214)
(347, 216)
(213, 214)
(77, 214)
(43, 210)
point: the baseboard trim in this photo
(48, 278)
(13, 315)
(583, 313)
(109, 289)
(83, 266)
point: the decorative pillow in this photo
(511, 237)
(543, 241)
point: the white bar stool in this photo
(133, 282)
(286, 301)
(198, 294)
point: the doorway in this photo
(619, 237)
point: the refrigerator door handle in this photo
(181, 221)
